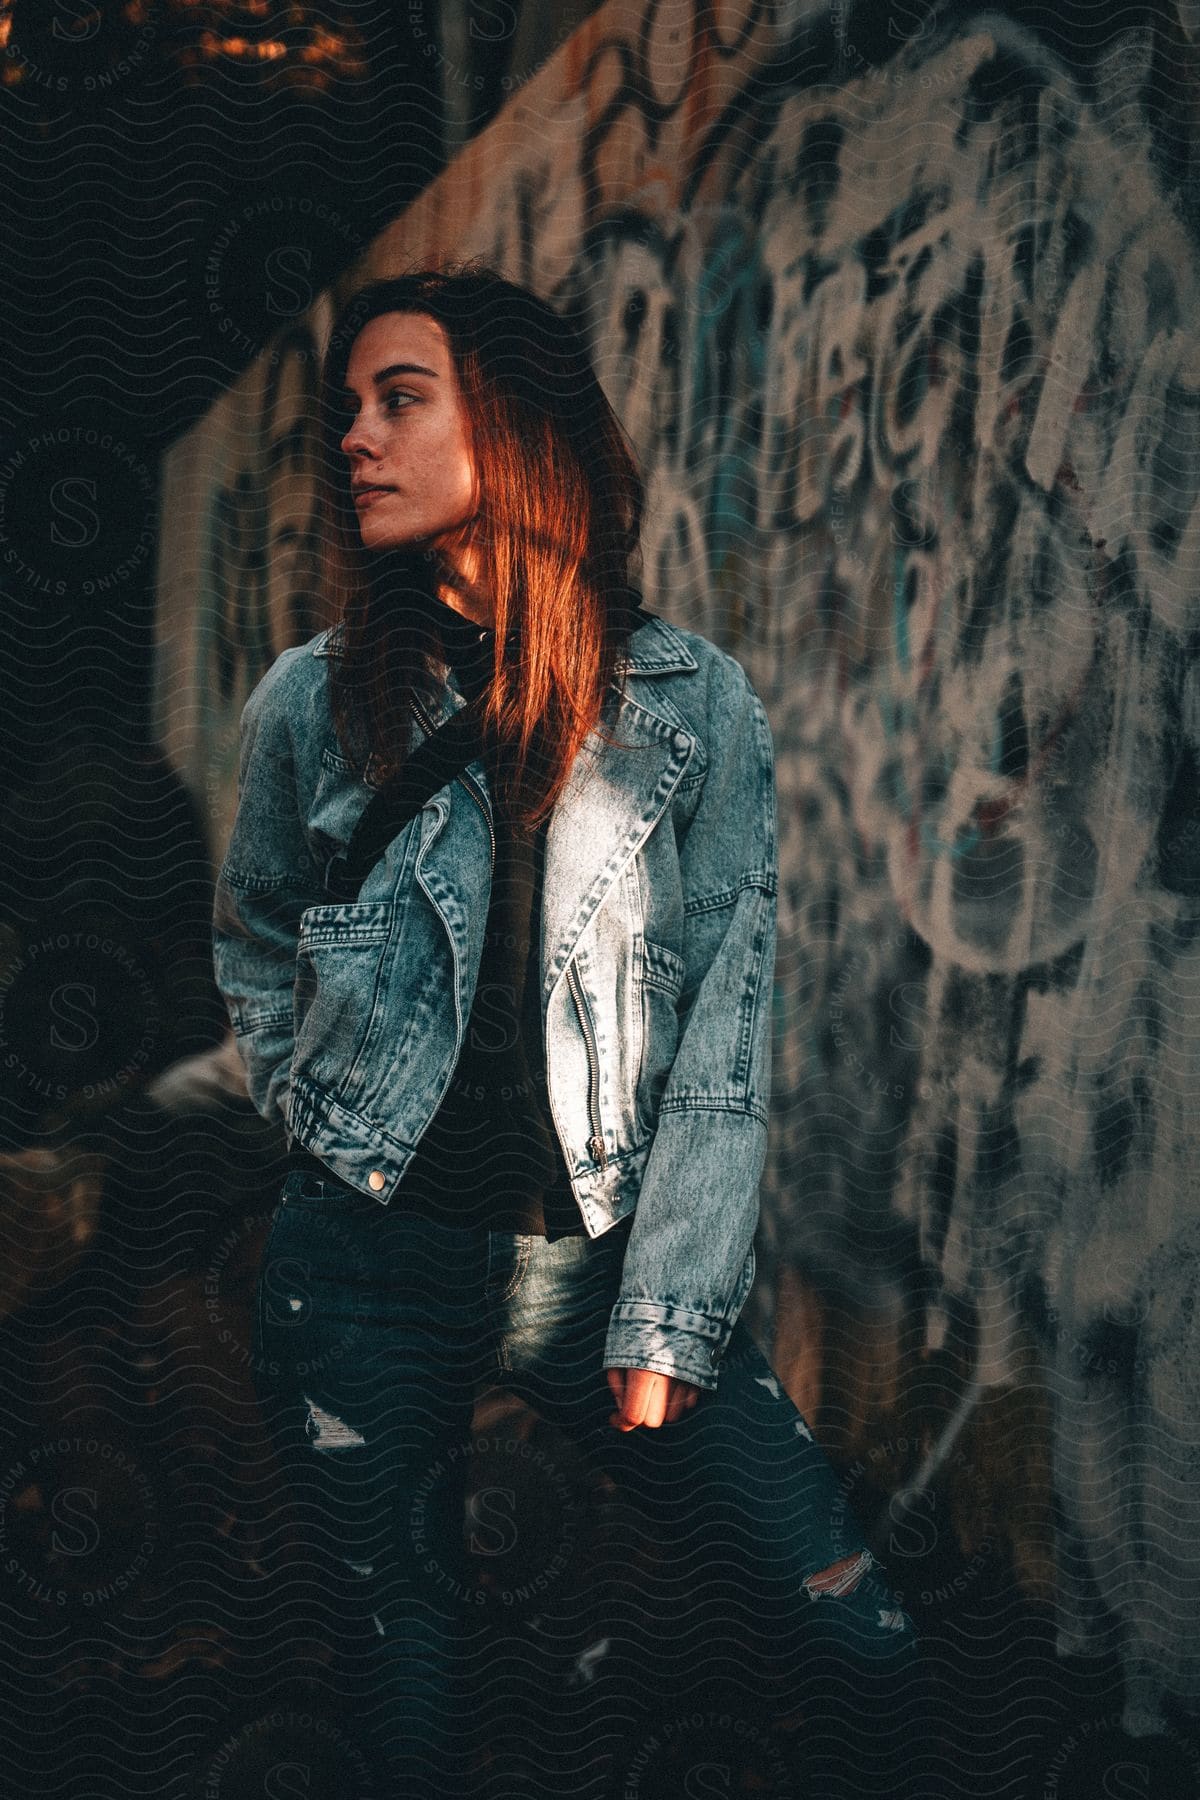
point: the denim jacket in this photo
(657, 953)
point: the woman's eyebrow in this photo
(400, 368)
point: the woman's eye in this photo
(346, 413)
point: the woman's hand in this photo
(644, 1397)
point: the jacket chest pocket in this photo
(342, 796)
(341, 961)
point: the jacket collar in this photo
(655, 648)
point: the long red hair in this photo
(558, 535)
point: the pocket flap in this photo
(346, 922)
(663, 967)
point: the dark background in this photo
(179, 180)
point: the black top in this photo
(490, 1156)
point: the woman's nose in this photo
(357, 441)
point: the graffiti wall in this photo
(910, 359)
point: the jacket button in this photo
(715, 1354)
(376, 1179)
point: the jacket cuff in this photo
(689, 1347)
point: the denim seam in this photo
(525, 1248)
(721, 1103)
(246, 1022)
(753, 878)
(668, 1315)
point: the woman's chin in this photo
(379, 537)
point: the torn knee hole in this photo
(840, 1577)
(327, 1431)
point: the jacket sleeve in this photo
(689, 1261)
(267, 878)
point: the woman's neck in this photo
(457, 586)
(414, 578)
(475, 607)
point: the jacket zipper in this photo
(468, 781)
(596, 1142)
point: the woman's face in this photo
(408, 435)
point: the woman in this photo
(521, 1048)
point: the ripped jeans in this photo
(424, 1550)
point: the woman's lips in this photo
(368, 496)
